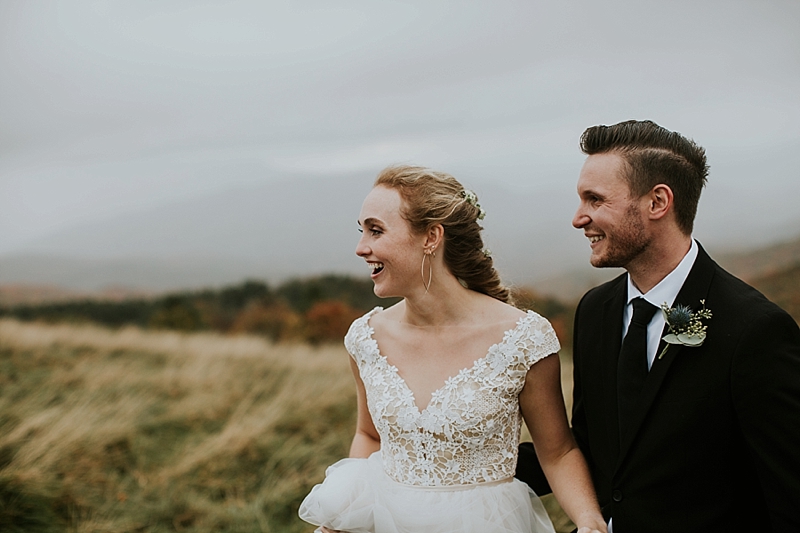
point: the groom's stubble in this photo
(625, 241)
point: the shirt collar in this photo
(667, 289)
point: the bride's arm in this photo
(366, 440)
(543, 409)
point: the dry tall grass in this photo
(134, 431)
(126, 430)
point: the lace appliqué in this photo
(470, 430)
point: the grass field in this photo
(131, 431)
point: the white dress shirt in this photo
(664, 292)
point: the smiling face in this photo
(610, 218)
(391, 250)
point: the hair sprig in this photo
(472, 199)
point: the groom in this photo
(681, 437)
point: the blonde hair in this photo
(430, 198)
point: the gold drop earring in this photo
(429, 254)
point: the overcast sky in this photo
(109, 107)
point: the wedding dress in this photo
(449, 467)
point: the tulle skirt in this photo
(358, 497)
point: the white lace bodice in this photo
(469, 431)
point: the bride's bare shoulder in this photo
(495, 311)
(386, 318)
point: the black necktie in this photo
(632, 365)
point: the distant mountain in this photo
(762, 262)
(22, 294)
(774, 270)
(783, 288)
(307, 226)
(572, 283)
(771, 265)
(34, 294)
(280, 228)
(270, 232)
(284, 229)
(30, 273)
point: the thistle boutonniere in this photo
(685, 326)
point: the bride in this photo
(443, 379)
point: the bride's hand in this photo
(590, 530)
(326, 530)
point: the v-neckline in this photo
(506, 336)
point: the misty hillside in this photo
(292, 228)
(772, 269)
(783, 288)
(763, 262)
(307, 226)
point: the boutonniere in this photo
(685, 326)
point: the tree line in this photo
(316, 309)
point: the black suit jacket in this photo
(715, 443)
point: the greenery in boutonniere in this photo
(685, 326)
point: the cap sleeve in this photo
(359, 337)
(539, 340)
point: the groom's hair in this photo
(655, 155)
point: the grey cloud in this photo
(115, 107)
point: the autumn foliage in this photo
(316, 310)
(560, 314)
(277, 321)
(329, 321)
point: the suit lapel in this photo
(694, 289)
(611, 345)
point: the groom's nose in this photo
(580, 219)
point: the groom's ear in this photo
(660, 201)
